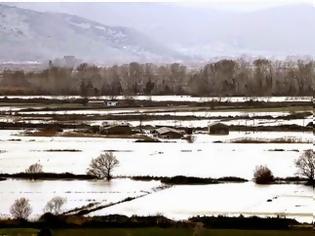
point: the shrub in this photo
(263, 175)
(34, 169)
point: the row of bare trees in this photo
(261, 77)
(21, 208)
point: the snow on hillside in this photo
(31, 35)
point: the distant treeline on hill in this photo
(261, 77)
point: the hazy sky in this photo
(242, 5)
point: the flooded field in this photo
(176, 117)
(136, 119)
(203, 123)
(224, 199)
(203, 158)
(207, 156)
(295, 201)
(174, 98)
(77, 193)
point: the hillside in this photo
(206, 32)
(31, 35)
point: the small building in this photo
(106, 103)
(121, 129)
(168, 133)
(218, 128)
(111, 103)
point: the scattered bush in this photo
(34, 169)
(190, 138)
(263, 175)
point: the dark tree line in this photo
(223, 78)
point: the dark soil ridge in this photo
(175, 180)
(136, 102)
(145, 117)
(57, 126)
(187, 180)
(47, 176)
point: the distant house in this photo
(111, 103)
(218, 128)
(168, 133)
(106, 103)
(116, 129)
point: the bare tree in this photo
(54, 206)
(263, 175)
(34, 168)
(306, 165)
(102, 166)
(21, 209)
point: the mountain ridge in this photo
(180, 34)
(30, 35)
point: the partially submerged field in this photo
(293, 113)
(263, 131)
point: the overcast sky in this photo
(234, 5)
(244, 4)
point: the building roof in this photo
(218, 125)
(165, 130)
(106, 125)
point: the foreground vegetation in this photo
(49, 220)
(154, 231)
